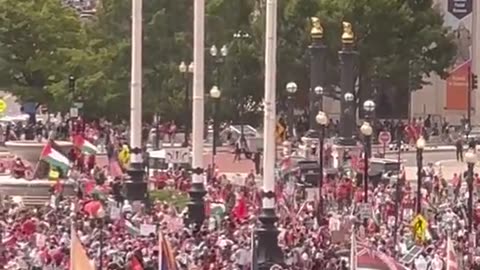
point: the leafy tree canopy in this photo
(42, 43)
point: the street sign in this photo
(419, 227)
(73, 112)
(365, 210)
(384, 137)
(3, 105)
(177, 155)
(460, 8)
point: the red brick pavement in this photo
(223, 159)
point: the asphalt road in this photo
(410, 158)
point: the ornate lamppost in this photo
(420, 145)
(322, 121)
(215, 95)
(187, 72)
(291, 88)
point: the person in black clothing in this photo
(459, 149)
(256, 161)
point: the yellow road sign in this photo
(3, 105)
(419, 227)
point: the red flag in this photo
(240, 210)
(135, 263)
(92, 208)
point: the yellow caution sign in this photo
(3, 105)
(419, 227)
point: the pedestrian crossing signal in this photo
(474, 81)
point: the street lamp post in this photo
(291, 88)
(240, 36)
(187, 71)
(218, 59)
(347, 84)
(367, 131)
(471, 159)
(322, 121)
(420, 146)
(215, 95)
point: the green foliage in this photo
(171, 197)
(34, 37)
(42, 43)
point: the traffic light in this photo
(71, 83)
(474, 81)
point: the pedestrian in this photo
(459, 149)
(237, 152)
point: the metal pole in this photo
(290, 116)
(269, 253)
(475, 49)
(187, 108)
(136, 84)
(365, 169)
(321, 136)
(469, 103)
(100, 261)
(398, 190)
(196, 208)
(136, 188)
(470, 197)
(419, 179)
(214, 132)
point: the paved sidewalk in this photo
(447, 168)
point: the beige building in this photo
(448, 98)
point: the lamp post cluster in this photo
(187, 72)
(347, 55)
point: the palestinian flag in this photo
(55, 158)
(84, 145)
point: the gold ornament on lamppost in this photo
(348, 35)
(317, 29)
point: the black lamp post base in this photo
(268, 252)
(196, 205)
(136, 188)
(345, 141)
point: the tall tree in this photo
(34, 37)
